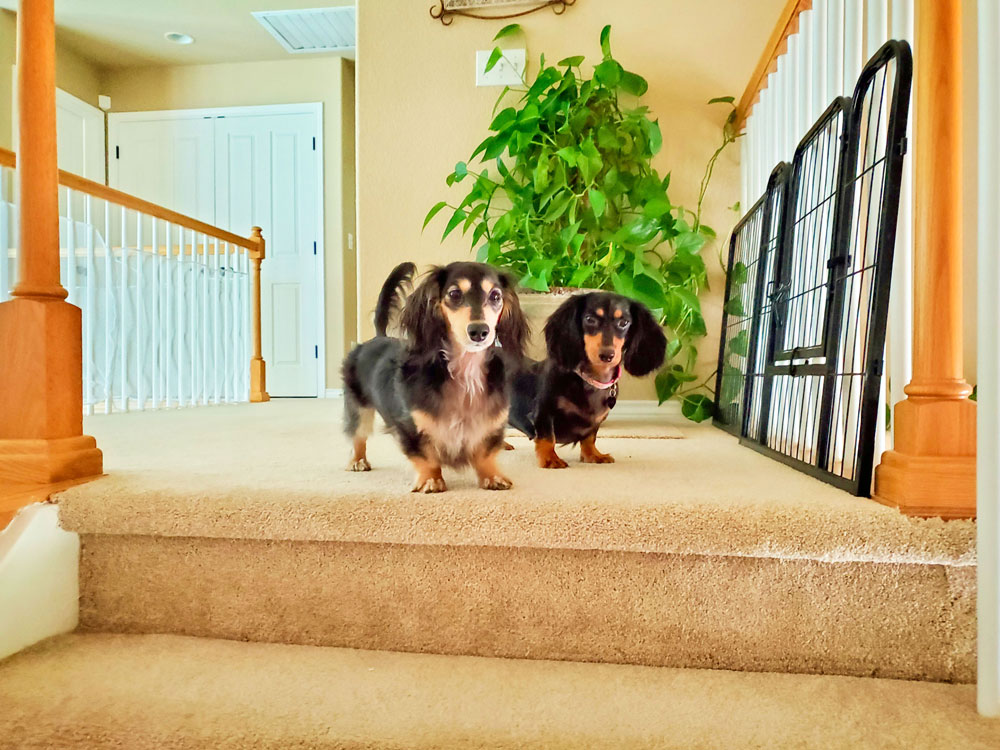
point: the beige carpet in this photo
(169, 693)
(908, 621)
(276, 471)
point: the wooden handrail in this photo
(788, 24)
(96, 189)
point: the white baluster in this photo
(876, 26)
(899, 342)
(72, 296)
(854, 35)
(836, 86)
(821, 96)
(181, 329)
(244, 362)
(205, 329)
(109, 309)
(154, 314)
(140, 310)
(803, 100)
(192, 300)
(234, 350)
(226, 308)
(89, 311)
(123, 300)
(216, 325)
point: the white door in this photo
(79, 135)
(166, 161)
(237, 168)
(267, 175)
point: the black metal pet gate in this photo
(807, 290)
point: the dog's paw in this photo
(552, 462)
(360, 465)
(428, 485)
(597, 458)
(507, 446)
(496, 482)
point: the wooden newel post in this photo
(41, 375)
(258, 384)
(932, 469)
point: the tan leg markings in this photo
(490, 477)
(359, 459)
(545, 451)
(429, 477)
(589, 453)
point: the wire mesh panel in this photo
(862, 269)
(813, 364)
(751, 259)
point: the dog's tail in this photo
(390, 298)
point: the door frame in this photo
(260, 110)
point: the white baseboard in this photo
(642, 408)
(333, 393)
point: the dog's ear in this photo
(512, 328)
(564, 333)
(646, 345)
(422, 321)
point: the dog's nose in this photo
(607, 355)
(478, 332)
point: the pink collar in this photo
(597, 383)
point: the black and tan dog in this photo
(567, 397)
(441, 391)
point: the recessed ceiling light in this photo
(178, 38)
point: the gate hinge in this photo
(902, 145)
(876, 367)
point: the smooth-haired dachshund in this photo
(442, 389)
(565, 398)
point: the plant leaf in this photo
(673, 347)
(580, 276)
(572, 62)
(495, 56)
(722, 100)
(597, 202)
(461, 170)
(697, 407)
(433, 212)
(507, 30)
(606, 41)
(456, 218)
(633, 84)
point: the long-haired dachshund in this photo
(567, 397)
(441, 391)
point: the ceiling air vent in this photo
(312, 30)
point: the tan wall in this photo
(415, 120)
(74, 74)
(283, 82)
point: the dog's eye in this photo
(496, 296)
(590, 320)
(623, 324)
(455, 294)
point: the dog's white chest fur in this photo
(466, 418)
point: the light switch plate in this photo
(509, 71)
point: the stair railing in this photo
(171, 305)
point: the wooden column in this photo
(41, 378)
(258, 380)
(932, 469)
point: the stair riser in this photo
(759, 614)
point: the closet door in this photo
(168, 161)
(267, 175)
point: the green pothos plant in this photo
(565, 195)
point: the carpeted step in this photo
(691, 552)
(169, 692)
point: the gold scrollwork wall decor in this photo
(446, 10)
